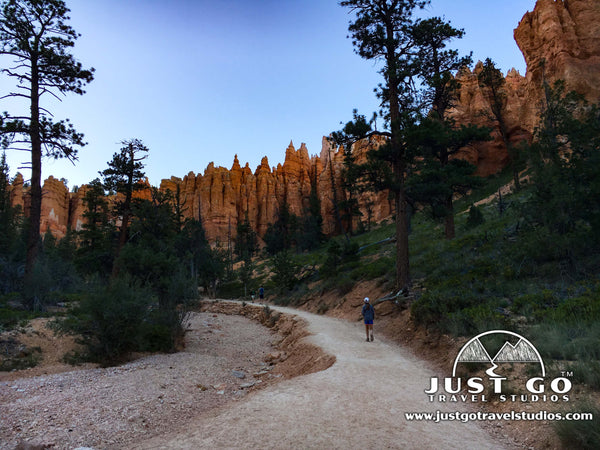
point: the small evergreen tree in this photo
(475, 217)
(205, 264)
(284, 270)
(565, 158)
(310, 232)
(95, 252)
(438, 176)
(246, 242)
(123, 177)
(281, 235)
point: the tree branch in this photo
(14, 94)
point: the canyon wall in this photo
(560, 39)
(223, 197)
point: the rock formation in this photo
(560, 39)
(473, 107)
(55, 207)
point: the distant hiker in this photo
(368, 313)
(252, 295)
(261, 293)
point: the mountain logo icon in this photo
(515, 349)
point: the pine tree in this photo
(123, 177)
(439, 174)
(381, 32)
(95, 252)
(35, 34)
(565, 158)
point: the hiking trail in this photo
(358, 402)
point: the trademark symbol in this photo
(567, 374)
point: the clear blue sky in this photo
(201, 80)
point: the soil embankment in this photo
(226, 358)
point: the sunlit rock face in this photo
(473, 107)
(55, 207)
(560, 40)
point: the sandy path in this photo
(358, 402)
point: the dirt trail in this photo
(358, 402)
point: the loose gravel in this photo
(223, 361)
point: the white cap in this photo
(366, 299)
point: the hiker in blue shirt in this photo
(368, 313)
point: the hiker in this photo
(261, 293)
(252, 295)
(368, 313)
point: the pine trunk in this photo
(33, 237)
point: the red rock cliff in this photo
(560, 40)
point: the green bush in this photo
(339, 252)
(461, 314)
(110, 320)
(586, 372)
(345, 285)
(374, 268)
(567, 340)
(156, 336)
(585, 308)
(434, 306)
(11, 318)
(536, 305)
(475, 217)
(322, 308)
(27, 358)
(285, 270)
(11, 274)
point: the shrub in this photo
(284, 270)
(375, 268)
(567, 340)
(582, 434)
(26, 358)
(11, 274)
(322, 308)
(536, 305)
(460, 314)
(339, 252)
(11, 318)
(584, 308)
(586, 372)
(110, 320)
(475, 217)
(345, 285)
